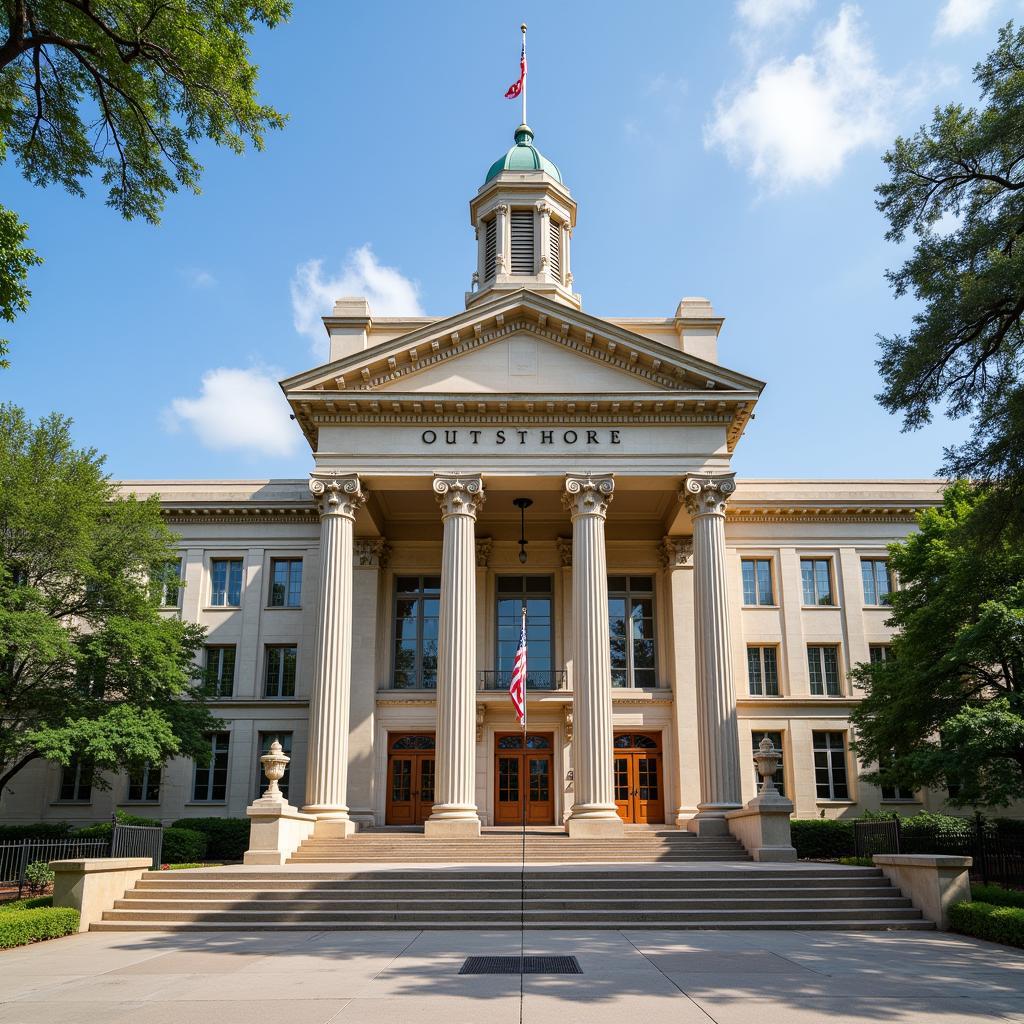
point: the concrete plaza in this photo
(397, 977)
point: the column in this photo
(705, 496)
(340, 497)
(593, 813)
(502, 254)
(454, 813)
(542, 255)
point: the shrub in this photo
(925, 832)
(20, 927)
(997, 895)
(183, 844)
(28, 904)
(39, 875)
(227, 838)
(857, 862)
(822, 838)
(985, 921)
(40, 830)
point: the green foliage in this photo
(228, 838)
(20, 927)
(39, 875)
(985, 921)
(190, 864)
(40, 830)
(123, 93)
(31, 903)
(104, 829)
(997, 895)
(822, 838)
(88, 667)
(946, 709)
(183, 844)
(964, 350)
(857, 862)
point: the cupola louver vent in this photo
(555, 250)
(490, 248)
(522, 242)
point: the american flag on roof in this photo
(517, 686)
(517, 87)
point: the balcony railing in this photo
(492, 679)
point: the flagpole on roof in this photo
(523, 27)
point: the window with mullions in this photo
(220, 669)
(417, 608)
(166, 582)
(763, 671)
(757, 581)
(780, 775)
(631, 630)
(279, 679)
(816, 580)
(830, 766)
(226, 582)
(266, 739)
(210, 782)
(76, 781)
(879, 653)
(285, 583)
(144, 784)
(877, 581)
(823, 668)
(535, 593)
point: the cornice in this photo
(835, 514)
(238, 514)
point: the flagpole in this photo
(524, 791)
(523, 27)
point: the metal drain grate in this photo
(530, 964)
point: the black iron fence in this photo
(996, 857)
(137, 841)
(16, 857)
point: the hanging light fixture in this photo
(522, 504)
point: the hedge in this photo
(986, 921)
(20, 927)
(40, 830)
(822, 838)
(182, 844)
(226, 838)
(997, 896)
(31, 903)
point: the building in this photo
(368, 617)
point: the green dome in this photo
(524, 156)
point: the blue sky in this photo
(719, 149)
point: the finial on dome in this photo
(524, 135)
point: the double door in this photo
(411, 767)
(639, 796)
(523, 779)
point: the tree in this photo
(946, 709)
(123, 90)
(964, 351)
(89, 669)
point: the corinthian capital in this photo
(458, 494)
(337, 494)
(588, 495)
(705, 494)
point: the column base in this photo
(681, 819)
(452, 828)
(710, 819)
(331, 822)
(594, 821)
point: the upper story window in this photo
(535, 594)
(763, 671)
(816, 579)
(220, 669)
(879, 653)
(877, 581)
(522, 253)
(285, 583)
(490, 248)
(417, 608)
(210, 782)
(144, 784)
(757, 581)
(76, 781)
(167, 583)
(631, 629)
(226, 582)
(823, 668)
(279, 680)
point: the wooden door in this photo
(523, 779)
(637, 778)
(411, 767)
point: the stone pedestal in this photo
(454, 812)
(593, 813)
(932, 882)
(92, 885)
(763, 825)
(277, 830)
(339, 497)
(705, 496)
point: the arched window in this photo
(413, 743)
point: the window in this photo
(266, 738)
(226, 582)
(816, 577)
(879, 653)
(490, 248)
(763, 671)
(279, 680)
(830, 766)
(535, 594)
(898, 793)
(144, 784)
(211, 783)
(417, 607)
(522, 241)
(220, 669)
(757, 581)
(780, 775)
(631, 629)
(76, 781)
(555, 249)
(285, 583)
(823, 668)
(167, 583)
(877, 582)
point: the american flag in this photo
(517, 87)
(517, 687)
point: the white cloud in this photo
(237, 410)
(798, 121)
(958, 17)
(766, 14)
(388, 291)
(199, 278)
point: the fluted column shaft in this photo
(454, 811)
(593, 813)
(705, 496)
(339, 497)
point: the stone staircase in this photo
(498, 846)
(733, 897)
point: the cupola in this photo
(523, 216)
